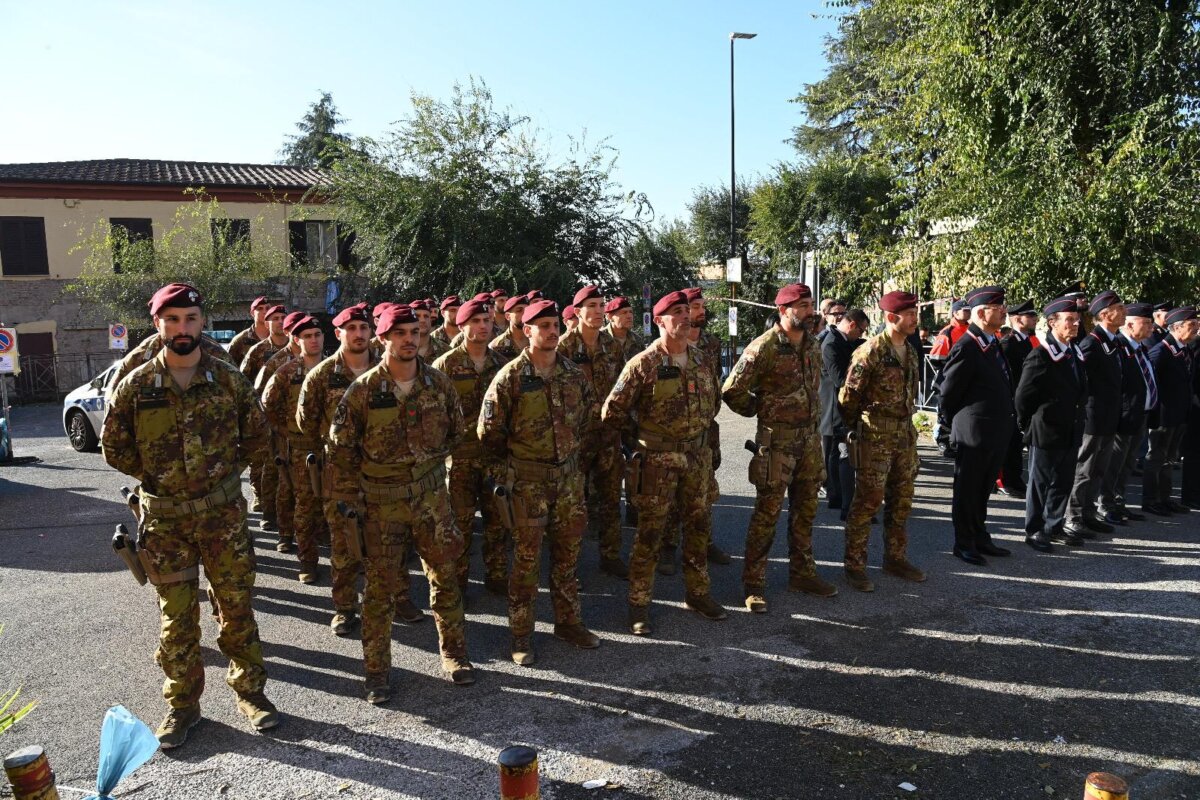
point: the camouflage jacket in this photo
(150, 347)
(437, 348)
(461, 336)
(601, 367)
(667, 402)
(505, 346)
(280, 357)
(878, 386)
(280, 400)
(470, 384)
(182, 444)
(241, 345)
(534, 418)
(710, 346)
(323, 388)
(385, 437)
(257, 356)
(439, 333)
(777, 380)
(634, 342)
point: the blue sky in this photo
(226, 81)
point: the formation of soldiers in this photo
(532, 417)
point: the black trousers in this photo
(1162, 452)
(1010, 472)
(839, 476)
(1112, 489)
(1051, 474)
(975, 471)
(1095, 453)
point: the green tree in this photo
(657, 256)
(319, 136)
(462, 196)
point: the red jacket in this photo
(946, 339)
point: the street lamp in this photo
(733, 188)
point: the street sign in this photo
(646, 321)
(733, 270)
(9, 357)
(118, 337)
(732, 320)
(646, 294)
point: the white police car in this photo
(83, 412)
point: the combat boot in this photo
(666, 560)
(523, 654)
(812, 584)
(718, 556)
(496, 586)
(577, 635)
(706, 607)
(858, 579)
(268, 523)
(344, 622)
(615, 567)
(407, 613)
(755, 601)
(902, 568)
(286, 544)
(378, 691)
(309, 573)
(175, 726)
(259, 710)
(459, 670)
(639, 621)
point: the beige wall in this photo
(70, 221)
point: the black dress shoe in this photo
(1097, 526)
(1113, 518)
(1127, 515)
(1156, 510)
(1068, 537)
(1175, 507)
(1079, 532)
(1040, 543)
(970, 556)
(990, 549)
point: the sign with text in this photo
(118, 337)
(733, 270)
(732, 320)
(646, 323)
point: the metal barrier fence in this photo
(50, 377)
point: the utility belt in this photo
(535, 471)
(774, 449)
(468, 449)
(380, 493)
(880, 424)
(661, 444)
(229, 490)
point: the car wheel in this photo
(80, 432)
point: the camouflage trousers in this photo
(886, 476)
(425, 521)
(603, 470)
(468, 493)
(219, 540)
(557, 514)
(800, 484)
(343, 569)
(299, 509)
(671, 537)
(674, 492)
(262, 463)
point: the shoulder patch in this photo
(339, 414)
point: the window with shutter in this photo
(136, 229)
(23, 246)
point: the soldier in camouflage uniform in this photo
(777, 379)
(880, 395)
(301, 519)
(285, 497)
(474, 470)
(429, 349)
(620, 325)
(601, 359)
(241, 344)
(534, 413)
(391, 434)
(445, 333)
(151, 346)
(183, 425)
(669, 396)
(510, 343)
(262, 462)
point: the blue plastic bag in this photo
(125, 744)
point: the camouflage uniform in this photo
(262, 463)
(778, 382)
(241, 344)
(301, 517)
(439, 334)
(505, 346)
(323, 388)
(390, 450)
(673, 408)
(471, 466)
(881, 392)
(192, 445)
(461, 336)
(632, 344)
(437, 349)
(600, 454)
(538, 422)
(151, 346)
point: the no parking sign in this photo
(8, 351)
(118, 337)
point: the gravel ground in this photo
(1011, 681)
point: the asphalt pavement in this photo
(1010, 681)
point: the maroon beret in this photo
(667, 301)
(896, 302)
(257, 302)
(497, 293)
(470, 309)
(535, 294)
(304, 323)
(380, 308)
(175, 295)
(615, 305)
(694, 293)
(451, 302)
(791, 293)
(514, 301)
(393, 317)
(484, 296)
(570, 313)
(419, 305)
(346, 315)
(585, 294)
(538, 309)
(273, 310)
(292, 319)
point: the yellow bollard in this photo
(518, 774)
(1105, 786)
(29, 773)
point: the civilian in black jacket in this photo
(1173, 369)
(977, 397)
(1102, 359)
(1139, 396)
(1050, 402)
(1189, 492)
(840, 342)
(1016, 346)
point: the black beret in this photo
(1066, 303)
(1137, 309)
(1181, 314)
(1022, 308)
(1163, 307)
(1103, 301)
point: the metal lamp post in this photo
(733, 252)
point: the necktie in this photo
(1139, 355)
(1003, 363)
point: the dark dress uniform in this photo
(1173, 371)
(1103, 363)
(1139, 395)
(1050, 409)
(978, 400)
(836, 350)
(1016, 347)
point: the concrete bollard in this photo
(29, 774)
(519, 773)
(1105, 786)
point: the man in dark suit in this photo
(1015, 347)
(1174, 371)
(1161, 311)
(840, 341)
(1139, 396)
(946, 338)
(1102, 360)
(977, 397)
(1050, 403)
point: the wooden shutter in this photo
(23, 246)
